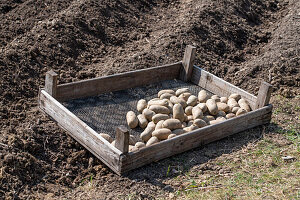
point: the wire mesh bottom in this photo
(105, 112)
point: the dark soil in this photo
(243, 42)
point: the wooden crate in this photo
(118, 158)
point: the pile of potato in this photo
(177, 112)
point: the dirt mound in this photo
(240, 41)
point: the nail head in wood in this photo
(122, 139)
(51, 83)
(264, 95)
(188, 63)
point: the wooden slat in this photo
(122, 139)
(81, 132)
(195, 138)
(218, 86)
(264, 95)
(51, 83)
(117, 82)
(188, 63)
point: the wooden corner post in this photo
(188, 63)
(122, 139)
(264, 95)
(51, 83)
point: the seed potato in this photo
(230, 115)
(159, 124)
(156, 118)
(159, 109)
(140, 145)
(223, 106)
(235, 96)
(141, 105)
(244, 104)
(223, 99)
(202, 96)
(178, 112)
(176, 100)
(152, 140)
(106, 137)
(232, 103)
(132, 120)
(212, 106)
(181, 91)
(197, 113)
(143, 122)
(192, 100)
(172, 135)
(147, 133)
(148, 114)
(203, 107)
(165, 91)
(200, 123)
(166, 96)
(162, 133)
(241, 111)
(172, 124)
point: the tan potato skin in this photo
(208, 118)
(192, 100)
(200, 123)
(106, 137)
(202, 96)
(143, 122)
(165, 91)
(197, 113)
(172, 135)
(159, 124)
(185, 96)
(132, 120)
(156, 118)
(212, 122)
(132, 148)
(212, 106)
(178, 131)
(223, 106)
(241, 111)
(148, 114)
(216, 98)
(162, 134)
(230, 115)
(181, 91)
(178, 112)
(172, 124)
(235, 96)
(221, 119)
(203, 107)
(190, 117)
(188, 110)
(141, 105)
(232, 103)
(243, 104)
(147, 133)
(235, 109)
(176, 100)
(221, 114)
(223, 99)
(152, 140)
(159, 109)
(140, 145)
(166, 96)
(159, 102)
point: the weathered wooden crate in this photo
(118, 158)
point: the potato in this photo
(216, 98)
(235, 96)
(172, 135)
(132, 140)
(212, 106)
(223, 106)
(143, 122)
(182, 90)
(162, 133)
(208, 118)
(176, 100)
(221, 114)
(190, 123)
(192, 100)
(113, 143)
(190, 117)
(203, 107)
(197, 113)
(185, 96)
(221, 119)
(152, 140)
(159, 109)
(159, 102)
(156, 118)
(188, 110)
(172, 124)
(147, 133)
(106, 137)
(241, 111)
(178, 112)
(232, 103)
(230, 115)
(159, 124)
(212, 122)
(170, 106)
(183, 124)
(200, 123)
(193, 127)
(235, 109)
(166, 96)
(132, 148)
(244, 104)
(148, 114)
(223, 99)
(132, 120)
(202, 96)
(139, 145)
(141, 105)
(178, 131)
(165, 91)
(185, 118)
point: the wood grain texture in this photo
(264, 95)
(122, 139)
(51, 83)
(218, 86)
(81, 132)
(195, 138)
(188, 63)
(96, 86)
